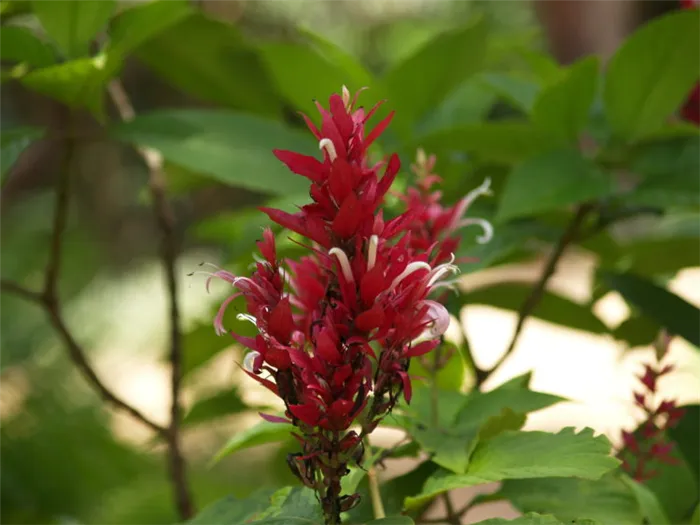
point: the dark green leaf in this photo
(19, 44)
(291, 66)
(423, 80)
(520, 455)
(687, 436)
(233, 148)
(293, 506)
(518, 90)
(503, 142)
(72, 24)
(233, 511)
(467, 104)
(13, 142)
(648, 503)
(357, 473)
(214, 68)
(675, 314)
(201, 344)
(78, 83)
(608, 500)
(637, 331)
(262, 433)
(663, 57)
(552, 308)
(219, 405)
(550, 182)
(562, 109)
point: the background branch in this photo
(169, 250)
(569, 236)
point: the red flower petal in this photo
(303, 165)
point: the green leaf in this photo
(78, 83)
(469, 103)
(551, 182)
(562, 109)
(231, 510)
(219, 405)
(423, 80)
(695, 519)
(232, 148)
(72, 24)
(552, 307)
(516, 89)
(663, 58)
(608, 500)
(449, 448)
(502, 142)
(648, 503)
(138, 24)
(19, 44)
(286, 506)
(524, 455)
(357, 473)
(262, 433)
(637, 331)
(13, 142)
(291, 67)
(506, 420)
(213, 68)
(530, 518)
(449, 377)
(393, 520)
(201, 344)
(482, 406)
(677, 315)
(687, 436)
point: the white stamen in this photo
(442, 269)
(421, 158)
(328, 146)
(372, 251)
(247, 317)
(410, 268)
(284, 274)
(249, 360)
(485, 225)
(346, 97)
(463, 205)
(344, 263)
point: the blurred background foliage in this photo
(67, 459)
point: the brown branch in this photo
(165, 219)
(49, 300)
(569, 236)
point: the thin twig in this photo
(375, 493)
(165, 219)
(48, 299)
(532, 300)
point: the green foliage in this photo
(213, 407)
(663, 57)
(532, 518)
(72, 24)
(13, 142)
(18, 44)
(230, 147)
(669, 310)
(262, 433)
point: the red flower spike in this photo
(344, 320)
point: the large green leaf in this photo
(19, 44)
(503, 142)
(423, 80)
(663, 59)
(77, 83)
(218, 405)
(232, 148)
(517, 90)
(262, 433)
(286, 506)
(450, 448)
(552, 307)
(302, 74)
(532, 518)
(210, 60)
(469, 103)
(649, 504)
(608, 500)
(13, 142)
(550, 182)
(562, 109)
(524, 455)
(393, 520)
(678, 316)
(72, 24)
(687, 436)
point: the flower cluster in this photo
(649, 443)
(691, 109)
(337, 327)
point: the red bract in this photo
(648, 444)
(342, 322)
